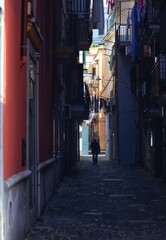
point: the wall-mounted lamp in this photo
(98, 78)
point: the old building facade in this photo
(43, 100)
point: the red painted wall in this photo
(45, 81)
(15, 87)
(14, 91)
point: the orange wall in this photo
(102, 134)
(14, 91)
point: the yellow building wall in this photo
(102, 134)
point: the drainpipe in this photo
(1, 118)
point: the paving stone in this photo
(105, 202)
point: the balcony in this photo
(73, 33)
(77, 94)
(84, 34)
(111, 21)
(153, 17)
(123, 35)
(78, 34)
(158, 77)
(78, 7)
(64, 54)
(77, 14)
(78, 111)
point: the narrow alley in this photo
(106, 202)
(71, 72)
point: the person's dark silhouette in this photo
(95, 151)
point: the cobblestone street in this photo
(106, 202)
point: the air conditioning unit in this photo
(128, 50)
(67, 111)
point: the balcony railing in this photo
(151, 20)
(80, 110)
(78, 24)
(153, 13)
(111, 20)
(123, 35)
(78, 6)
(73, 31)
(78, 33)
(77, 94)
(158, 76)
(72, 26)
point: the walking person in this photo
(95, 151)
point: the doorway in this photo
(32, 128)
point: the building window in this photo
(94, 71)
(101, 31)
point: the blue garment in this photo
(134, 42)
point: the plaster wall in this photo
(102, 134)
(14, 91)
(108, 135)
(48, 178)
(85, 140)
(16, 206)
(113, 136)
(19, 218)
(127, 113)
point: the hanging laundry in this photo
(96, 104)
(128, 27)
(134, 42)
(110, 3)
(101, 103)
(140, 4)
(141, 8)
(108, 9)
(97, 14)
(93, 104)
